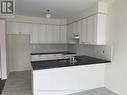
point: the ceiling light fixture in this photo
(48, 14)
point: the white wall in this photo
(3, 50)
(92, 50)
(116, 73)
(99, 7)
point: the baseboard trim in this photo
(113, 90)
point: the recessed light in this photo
(48, 14)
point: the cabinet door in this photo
(24, 28)
(70, 39)
(18, 28)
(101, 29)
(74, 28)
(79, 29)
(53, 33)
(49, 33)
(34, 33)
(42, 34)
(92, 29)
(62, 34)
(56, 32)
(12, 28)
(83, 35)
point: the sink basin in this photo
(63, 61)
(68, 61)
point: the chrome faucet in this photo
(72, 60)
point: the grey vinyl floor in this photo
(2, 83)
(19, 83)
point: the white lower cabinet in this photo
(67, 80)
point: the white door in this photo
(3, 72)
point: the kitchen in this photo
(57, 55)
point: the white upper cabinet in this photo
(49, 30)
(12, 28)
(39, 33)
(56, 33)
(17, 28)
(24, 28)
(83, 33)
(63, 34)
(34, 33)
(52, 33)
(74, 31)
(90, 30)
(42, 34)
(79, 28)
(48, 34)
(101, 29)
(93, 30)
(70, 34)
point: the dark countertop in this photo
(81, 60)
(64, 52)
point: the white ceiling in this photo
(59, 8)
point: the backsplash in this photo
(98, 51)
(104, 52)
(36, 48)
